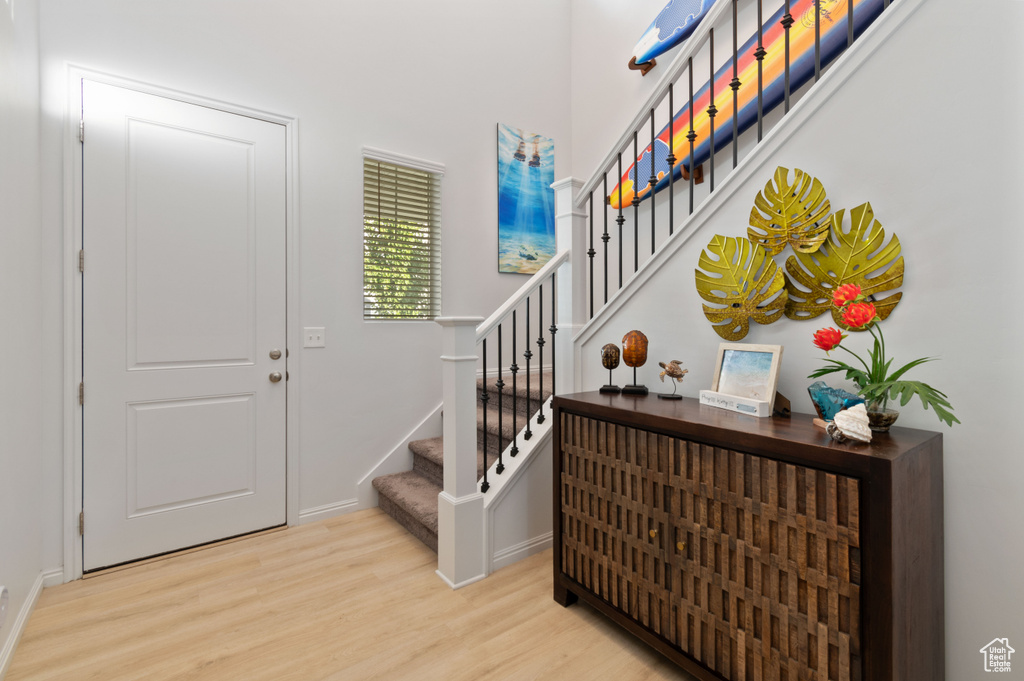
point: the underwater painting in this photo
(526, 201)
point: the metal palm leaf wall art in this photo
(858, 256)
(739, 281)
(742, 283)
(794, 214)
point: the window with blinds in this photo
(401, 241)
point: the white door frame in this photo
(72, 193)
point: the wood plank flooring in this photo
(345, 599)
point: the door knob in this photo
(275, 354)
(275, 377)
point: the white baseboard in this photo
(43, 579)
(516, 553)
(461, 584)
(311, 515)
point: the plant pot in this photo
(880, 420)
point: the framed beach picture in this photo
(748, 371)
(526, 201)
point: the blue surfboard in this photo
(674, 24)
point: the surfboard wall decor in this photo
(833, 40)
(674, 24)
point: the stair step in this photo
(428, 459)
(520, 387)
(410, 499)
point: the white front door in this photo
(183, 313)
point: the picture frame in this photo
(748, 371)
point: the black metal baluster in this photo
(735, 85)
(759, 54)
(636, 205)
(528, 355)
(787, 22)
(849, 24)
(653, 181)
(484, 398)
(553, 329)
(590, 254)
(620, 220)
(540, 354)
(691, 135)
(671, 158)
(606, 237)
(515, 392)
(712, 110)
(817, 40)
(500, 385)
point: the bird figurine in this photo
(672, 370)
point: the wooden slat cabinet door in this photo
(613, 519)
(769, 579)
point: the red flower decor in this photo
(847, 293)
(874, 382)
(857, 315)
(828, 338)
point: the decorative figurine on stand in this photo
(673, 371)
(634, 354)
(610, 360)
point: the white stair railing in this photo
(555, 296)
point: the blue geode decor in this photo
(830, 401)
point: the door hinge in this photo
(81, 392)
(81, 130)
(81, 522)
(81, 260)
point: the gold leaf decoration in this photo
(858, 256)
(785, 213)
(742, 283)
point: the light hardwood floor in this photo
(345, 599)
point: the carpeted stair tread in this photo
(493, 421)
(428, 459)
(535, 391)
(411, 497)
(429, 454)
(412, 500)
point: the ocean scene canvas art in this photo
(746, 374)
(526, 202)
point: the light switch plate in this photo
(314, 337)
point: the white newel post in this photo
(570, 233)
(460, 506)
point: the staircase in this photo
(410, 497)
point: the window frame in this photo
(430, 208)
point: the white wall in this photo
(928, 132)
(21, 457)
(428, 79)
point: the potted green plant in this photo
(874, 381)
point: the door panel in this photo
(191, 284)
(183, 300)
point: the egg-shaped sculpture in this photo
(610, 356)
(634, 349)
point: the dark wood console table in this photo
(752, 548)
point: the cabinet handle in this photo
(653, 533)
(681, 545)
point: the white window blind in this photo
(401, 242)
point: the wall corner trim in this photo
(43, 579)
